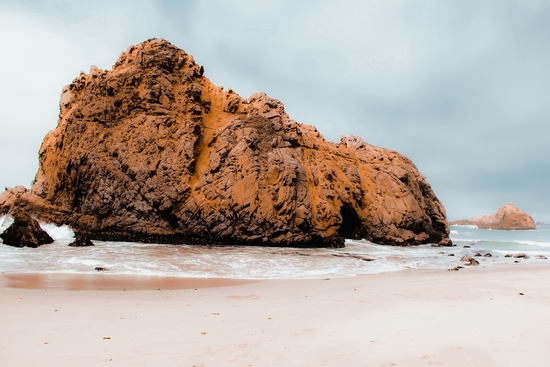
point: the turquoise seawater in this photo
(250, 262)
(502, 242)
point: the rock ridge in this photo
(153, 151)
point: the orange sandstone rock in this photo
(153, 151)
(507, 217)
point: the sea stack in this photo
(25, 232)
(507, 217)
(153, 151)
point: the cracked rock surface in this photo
(153, 151)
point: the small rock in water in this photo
(477, 254)
(456, 268)
(100, 268)
(541, 257)
(521, 255)
(25, 232)
(508, 255)
(469, 261)
(358, 257)
(467, 246)
(488, 254)
(81, 241)
(364, 258)
(451, 255)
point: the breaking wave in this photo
(533, 243)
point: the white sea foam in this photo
(250, 262)
(5, 222)
(58, 233)
(471, 226)
(533, 243)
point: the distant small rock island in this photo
(507, 217)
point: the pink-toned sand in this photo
(474, 317)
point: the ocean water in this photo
(250, 262)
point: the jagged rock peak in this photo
(153, 151)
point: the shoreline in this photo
(125, 282)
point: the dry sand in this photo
(475, 317)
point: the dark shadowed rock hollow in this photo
(153, 151)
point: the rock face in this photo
(25, 232)
(153, 151)
(507, 217)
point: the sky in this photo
(462, 88)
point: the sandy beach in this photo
(474, 317)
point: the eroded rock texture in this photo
(153, 151)
(507, 217)
(25, 232)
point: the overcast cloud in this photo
(462, 88)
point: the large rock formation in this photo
(507, 217)
(153, 151)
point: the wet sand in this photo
(474, 317)
(106, 281)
